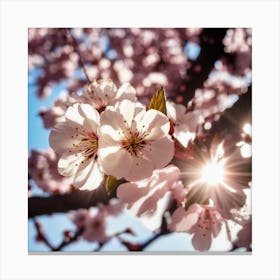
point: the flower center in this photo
(134, 142)
(89, 144)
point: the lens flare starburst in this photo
(213, 173)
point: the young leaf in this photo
(112, 183)
(158, 101)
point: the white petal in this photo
(182, 134)
(202, 242)
(149, 206)
(182, 220)
(112, 123)
(73, 116)
(115, 161)
(91, 117)
(140, 168)
(126, 91)
(160, 152)
(156, 123)
(69, 163)
(60, 138)
(130, 192)
(82, 173)
(88, 177)
(106, 140)
(129, 110)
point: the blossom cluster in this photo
(105, 131)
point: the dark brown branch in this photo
(233, 118)
(212, 48)
(64, 203)
(41, 237)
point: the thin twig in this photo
(41, 237)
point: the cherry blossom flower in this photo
(42, 168)
(56, 113)
(76, 141)
(134, 141)
(93, 221)
(185, 124)
(113, 208)
(245, 145)
(204, 222)
(103, 93)
(244, 236)
(80, 217)
(95, 228)
(142, 196)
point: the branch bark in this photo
(63, 203)
(212, 48)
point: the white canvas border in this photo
(17, 16)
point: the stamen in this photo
(88, 145)
(134, 141)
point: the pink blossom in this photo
(204, 222)
(142, 196)
(76, 141)
(95, 228)
(42, 168)
(185, 124)
(113, 208)
(244, 236)
(80, 217)
(94, 221)
(56, 113)
(104, 93)
(132, 140)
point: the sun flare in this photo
(212, 173)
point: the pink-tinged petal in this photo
(126, 91)
(112, 123)
(171, 112)
(216, 223)
(170, 173)
(73, 116)
(115, 161)
(202, 241)
(156, 123)
(60, 138)
(88, 112)
(140, 168)
(160, 151)
(130, 193)
(69, 163)
(183, 135)
(179, 192)
(127, 109)
(82, 173)
(107, 141)
(92, 180)
(149, 206)
(182, 220)
(91, 117)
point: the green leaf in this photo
(112, 183)
(158, 101)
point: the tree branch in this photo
(212, 48)
(66, 202)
